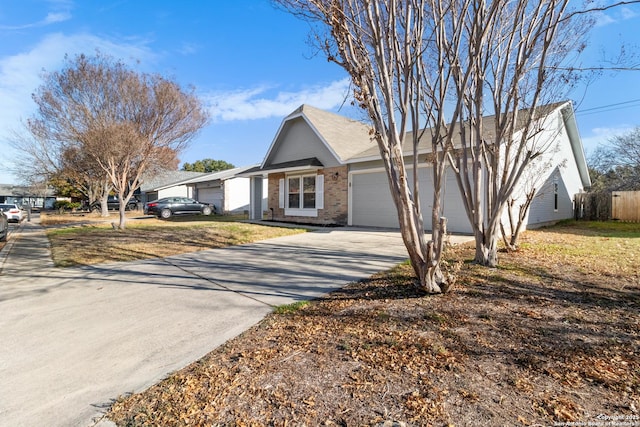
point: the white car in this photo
(13, 212)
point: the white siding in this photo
(556, 166)
(237, 194)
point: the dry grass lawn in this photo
(550, 337)
(90, 239)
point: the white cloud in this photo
(602, 19)
(601, 136)
(20, 75)
(51, 18)
(251, 104)
(627, 13)
(56, 17)
(615, 15)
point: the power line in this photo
(610, 107)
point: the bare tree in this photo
(517, 53)
(42, 160)
(384, 47)
(128, 123)
(615, 166)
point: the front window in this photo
(309, 189)
(301, 192)
(294, 193)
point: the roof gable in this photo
(340, 136)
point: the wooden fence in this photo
(625, 206)
(602, 206)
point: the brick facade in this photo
(336, 194)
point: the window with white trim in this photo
(301, 192)
(302, 195)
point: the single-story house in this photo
(225, 190)
(323, 168)
(36, 197)
(167, 184)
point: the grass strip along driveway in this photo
(551, 336)
(92, 240)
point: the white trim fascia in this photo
(577, 147)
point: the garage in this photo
(371, 204)
(213, 196)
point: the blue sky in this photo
(248, 61)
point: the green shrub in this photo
(64, 205)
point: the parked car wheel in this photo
(165, 213)
(206, 210)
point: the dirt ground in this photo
(551, 337)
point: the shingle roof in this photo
(352, 141)
(22, 190)
(167, 178)
(345, 137)
(213, 176)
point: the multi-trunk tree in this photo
(385, 46)
(124, 123)
(438, 69)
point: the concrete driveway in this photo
(74, 340)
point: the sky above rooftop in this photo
(249, 62)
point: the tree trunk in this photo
(486, 249)
(123, 218)
(104, 206)
(425, 260)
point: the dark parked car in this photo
(168, 206)
(4, 227)
(114, 204)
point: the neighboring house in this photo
(225, 190)
(323, 168)
(43, 198)
(167, 184)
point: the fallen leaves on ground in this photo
(537, 341)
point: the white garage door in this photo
(212, 196)
(371, 202)
(372, 205)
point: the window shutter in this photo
(319, 191)
(281, 193)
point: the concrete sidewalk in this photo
(27, 248)
(73, 340)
